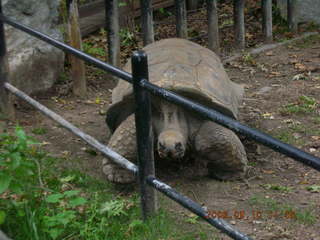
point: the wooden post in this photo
(267, 20)
(6, 105)
(181, 18)
(140, 73)
(292, 15)
(213, 26)
(192, 4)
(78, 68)
(239, 28)
(112, 26)
(147, 21)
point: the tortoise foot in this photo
(117, 174)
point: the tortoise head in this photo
(171, 144)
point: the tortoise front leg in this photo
(123, 141)
(223, 150)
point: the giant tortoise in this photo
(197, 73)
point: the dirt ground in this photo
(280, 199)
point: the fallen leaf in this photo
(301, 67)
(274, 74)
(270, 53)
(267, 171)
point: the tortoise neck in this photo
(174, 119)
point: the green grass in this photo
(39, 131)
(92, 50)
(277, 187)
(42, 200)
(287, 134)
(316, 120)
(286, 211)
(309, 41)
(304, 104)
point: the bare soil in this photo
(280, 200)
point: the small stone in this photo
(264, 90)
(233, 222)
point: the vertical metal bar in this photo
(292, 15)
(213, 26)
(144, 133)
(192, 4)
(112, 26)
(239, 28)
(267, 20)
(147, 21)
(6, 106)
(181, 18)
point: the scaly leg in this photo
(123, 141)
(223, 150)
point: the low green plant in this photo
(316, 120)
(165, 12)
(277, 187)
(283, 210)
(304, 104)
(53, 202)
(89, 48)
(248, 59)
(127, 37)
(18, 162)
(309, 41)
(314, 188)
(63, 211)
(39, 131)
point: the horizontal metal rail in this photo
(162, 187)
(205, 112)
(196, 209)
(234, 125)
(87, 138)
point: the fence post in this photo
(292, 15)
(239, 28)
(192, 4)
(147, 21)
(112, 26)
(267, 20)
(78, 67)
(6, 106)
(181, 18)
(213, 26)
(144, 133)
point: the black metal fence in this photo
(142, 88)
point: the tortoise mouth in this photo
(171, 155)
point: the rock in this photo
(264, 90)
(34, 64)
(3, 236)
(307, 10)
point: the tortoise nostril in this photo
(161, 146)
(178, 147)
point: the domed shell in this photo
(186, 68)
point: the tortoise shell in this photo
(183, 67)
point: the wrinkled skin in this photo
(174, 131)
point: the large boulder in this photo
(34, 64)
(307, 10)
